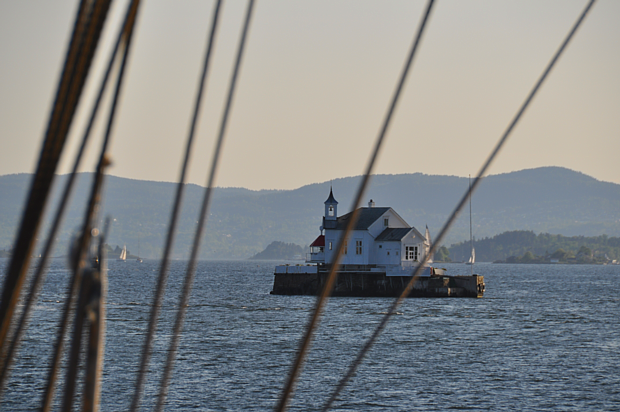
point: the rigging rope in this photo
(165, 263)
(85, 37)
(369, 343)
(331, 277)
(39, 275)
(84, 40)
(88, 224)
(191, 267)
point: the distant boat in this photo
(428, 244)
(123, 255)
(139, 259)
(472, 257)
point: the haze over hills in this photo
(243, 222)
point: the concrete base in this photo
(379, 285)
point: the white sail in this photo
(427, 245)
(123, 255)
(472, 258)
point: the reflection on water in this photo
(544, 337)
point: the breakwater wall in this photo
(372, 284)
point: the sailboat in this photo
(428, 244)
(123, 255)
(472, 257)
(139, 259)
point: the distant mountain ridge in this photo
(243, 222)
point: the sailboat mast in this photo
(471, 238)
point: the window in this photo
(331, 211)
(386, 221)
(330, 245)
(397, 253)
(345, 247)
(411, 253)
(380, 246)
(358, 247)
(388, 253)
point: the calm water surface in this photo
(544, 337)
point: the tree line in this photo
(524, 246)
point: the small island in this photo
(524, 246)
(583, 256)
(281, 251)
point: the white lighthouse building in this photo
(378, 259)
(381, 240)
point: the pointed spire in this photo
(331, 210)
(331, 198)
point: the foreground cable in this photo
(331, 277)
(39, 275)
(165, 263)
(453, 216)
(82, 46)
(191, 266)
(91, 211)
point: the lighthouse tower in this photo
(331, 211)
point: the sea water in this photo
(543, 337)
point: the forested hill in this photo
(243, 222)
(519, 242)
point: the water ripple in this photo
(543, 338)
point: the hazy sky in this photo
(315, 84)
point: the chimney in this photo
(371, 203)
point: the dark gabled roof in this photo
(319, 241)
(366, 217)
(331, 198)
(393, 234)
